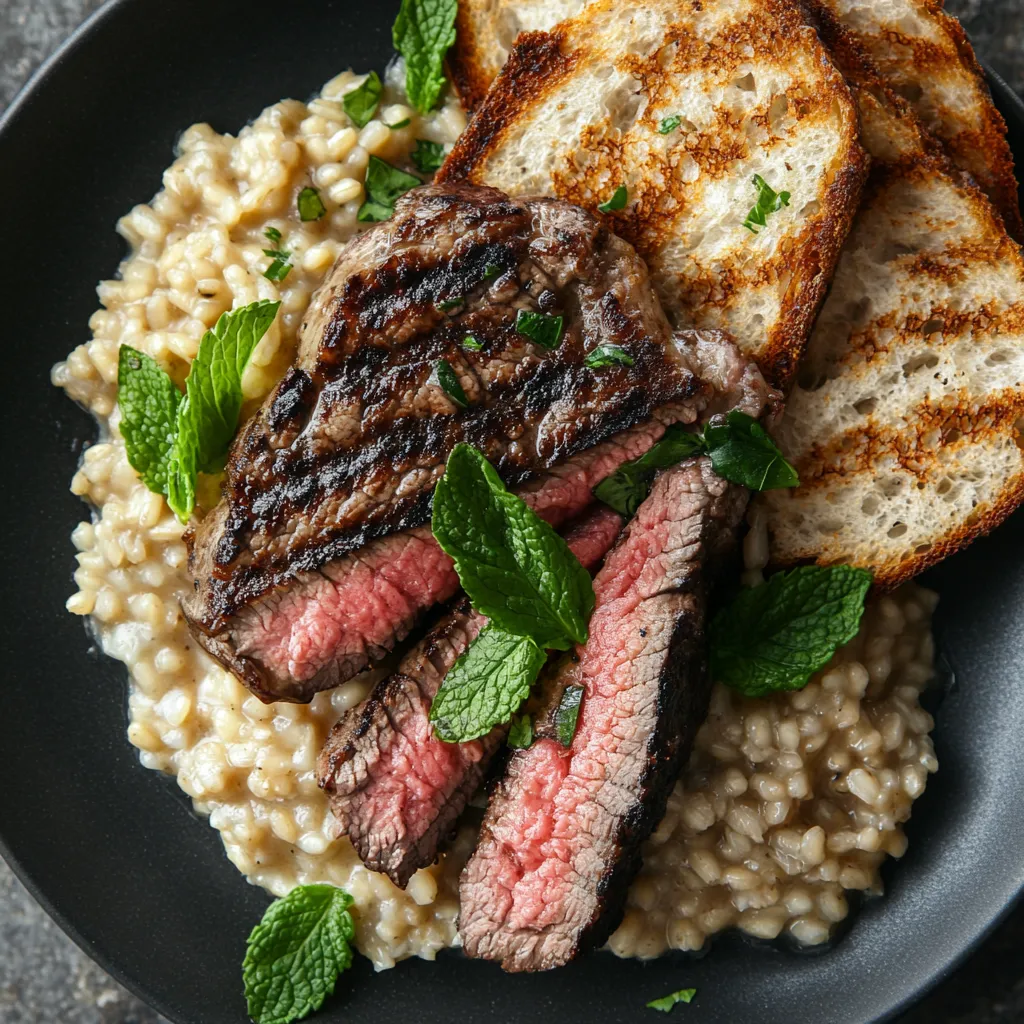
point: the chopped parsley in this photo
(361, 103)
(311, 206)
(427, 156)
(669, 124)
(540, 328)
(768, 201)
(617, 201)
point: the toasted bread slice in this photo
(925, 56)
(576, 113)
(905, 424)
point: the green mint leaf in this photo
(361, 103)
(469, 342)
(617, 201)
(449, 304)
(208, 417)
(449, 382)
(149, 404)
(608, 355)
(627, 488)
(768, 201)
(427, 156)
(520, 733)
(278, 254)
(776, 636)
(491, 271)
(294, 955)
(540, 328)
(567, 714)
(516, 570)
(423, 32)
(742, 451)
(384, 184)
(486, 685)
(665, 1004)
(404, 123)
(278, 270)
(311, 206)
(273, 235)
(669, 124)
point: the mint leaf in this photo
(427, 156)
(294, 955)
(486, 685)
(617, 201)
(520, 733)
(149, 404)
(404, 123)
(669, 124)
(423, 32)
(384, 184)
(208, 417)
(273, 235)
(279, 269)
(540, 328)
(448, 379)
(608, 355)
(665, 1004)
(742, 451)
(469, 342)
(776, 636)
(311, 206)
(627, 488)
(361, 103)
(516, 570)
(567, 714)
(768, 201)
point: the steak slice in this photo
(561, 838)
(348, 446)
(395, 789)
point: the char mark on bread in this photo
(317, 561)
(562, 835)
(395, 789)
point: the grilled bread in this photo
(925, 56)
(904, 423)
(682, 105)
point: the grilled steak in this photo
(348, 447)
(395, 789)
(561, 838)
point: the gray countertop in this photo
(46, 979)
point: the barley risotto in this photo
(788, 801)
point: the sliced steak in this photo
(348, 447)
(561, 838)
(395, 789)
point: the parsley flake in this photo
(665, 1004)
(311, 206)
(617, 201)
(669, 124)
(361, 102)
(768, 201)
(447, 305)
(471, 343)
(540, 328)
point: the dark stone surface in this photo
(46, 979)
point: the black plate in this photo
(113, 851)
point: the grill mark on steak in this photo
(349, 445)
(395, 789)
(561, 838)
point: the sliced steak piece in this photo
(395, 789)
(561, 838)
(348, 447)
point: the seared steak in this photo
(347, 449)
(395, 789)
(561, 838)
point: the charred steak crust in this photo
(561, 839)
(348, 446)
(395, 789)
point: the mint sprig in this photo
(361, 102)
(516, 570)
(486, 685)
(768, 201)
(169, 453)
(422, 34)
(776, 636)
(149, 415)
(665, 1004)
(294, 955)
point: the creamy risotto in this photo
(787, 802)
